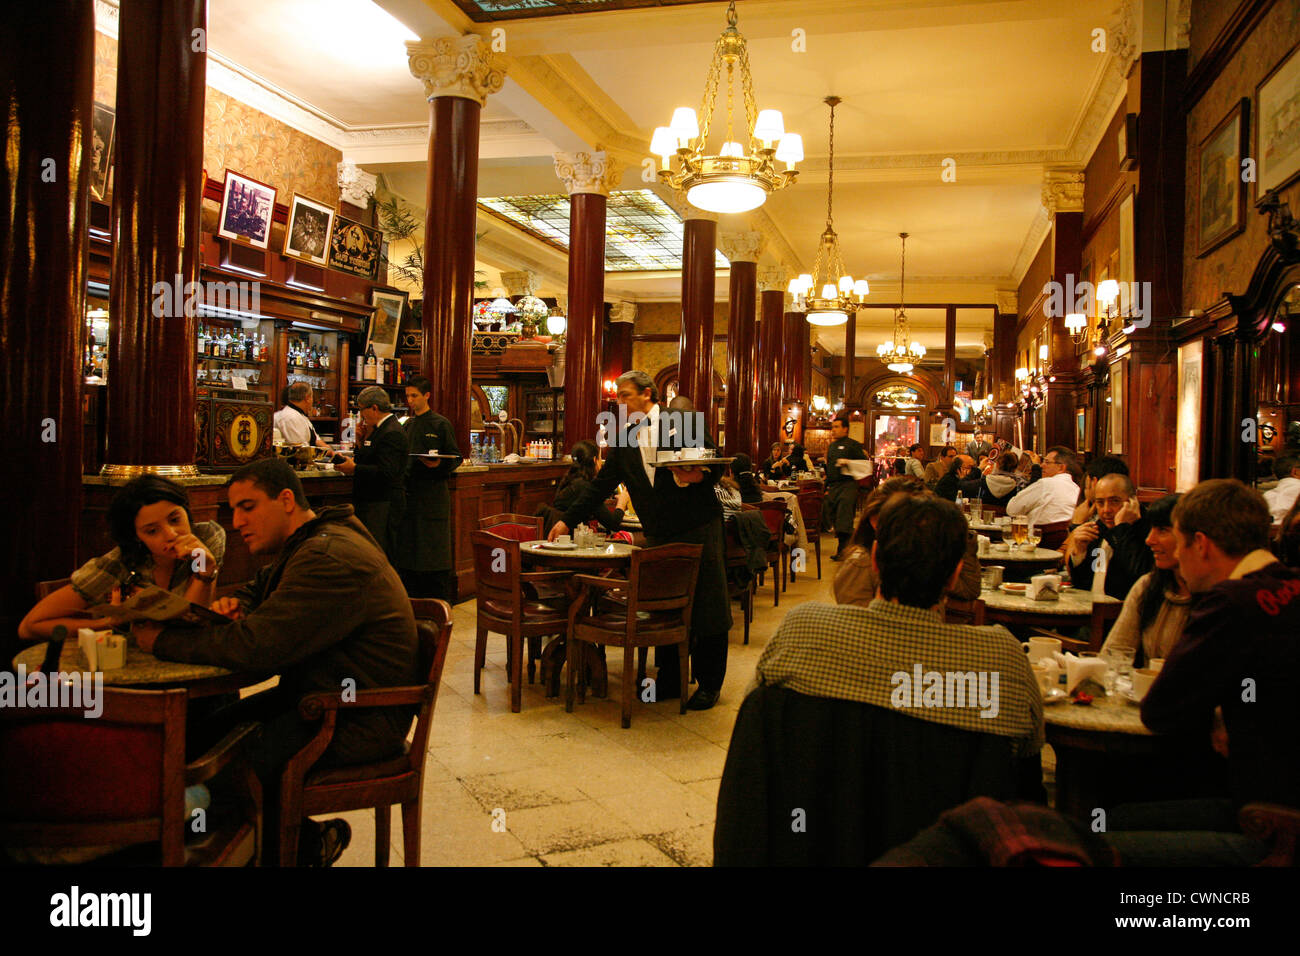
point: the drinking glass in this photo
(1119, 663)
(1008, 536)
(1019, 529)
(1032, 537)
(977, 512)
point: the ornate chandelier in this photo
(739, 176)
(900, 351)
(837, 298)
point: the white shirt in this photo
(1281, 498)
(1046, 500)
(648, 439)
(294, 426)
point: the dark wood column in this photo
(1002, 374)
(771, 339)
(157, 197)
(1058, 416)
(588, 177)
(742, 250)
(458, 74)
(695, 349)
(618, 341)
(949, 353)
(46, 81)
(794, 356)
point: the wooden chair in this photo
(1053, 534)
(810, 508)
(734, 555)
(516, 527)
(45, 588)
(957, 611)
(660, 588)
(774, 513)
(119, 780)
(504, 607)
(400, 780)
(1275, 824)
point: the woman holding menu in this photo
(157, 544)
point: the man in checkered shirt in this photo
(897, 653)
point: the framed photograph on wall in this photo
(103, 122)
(246, 209)
(1187, 452)
(354, 249)
(307, 235)
(1220, 193)
(1117, 408)
(385, 322)
(1277, 138)
(1081, 430)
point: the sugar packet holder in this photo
(104, 650)
(1044, 587)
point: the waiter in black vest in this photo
(424, 534)
(670, 513)
(378, 469)
(841, 487)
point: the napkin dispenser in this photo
(1044, 587)
(1080, 669)
(104, 650)
(983, 544)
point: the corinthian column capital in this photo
(742, 246)
(463, 66)
(582, 172)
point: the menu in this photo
(152, 603)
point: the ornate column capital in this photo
(686, 211)
(356, 186)
(588, 172)
(463, 66)
(1006, 301)
(1062, 191)
(520, 283)
(623, 312)
(742, 246)
(772, 279)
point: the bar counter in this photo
(476, 491)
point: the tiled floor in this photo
(544, 787)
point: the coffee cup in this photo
(1040, 647)
(1142, 681)
(991, 576)
(564, 539)
(1156, 663)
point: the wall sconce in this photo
(1076, 323)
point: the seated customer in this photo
(742, 470)
(1000, 485)
(329, 608)
(939, 467)
(961, 479)
(1156, 608)
(1113, 547)
(728, 492)
(1098, 468)
(576, 481)
(1053, 497)
(1281, 497)
(157, 544)
(777, 465)
(1238, 655)
(856, 580)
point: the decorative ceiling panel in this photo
(483, 11)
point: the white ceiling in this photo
(1007, 88)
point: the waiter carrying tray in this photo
(673, 508)
(841, 485)
(423, 555)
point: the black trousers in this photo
(426, 584)
(710, 614)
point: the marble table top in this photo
(1073, 603)
(998, 555)
(1104, 715)
(141, 667)
(615, 550)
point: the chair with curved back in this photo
(810, 507)
(399, 780)
(774, 513)
(660, 589)
(505, 606)
(1053, 534)
(516, 527)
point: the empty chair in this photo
(957, 611)
(810, 508)
(660, 588)
(400, 780)
(516, 527)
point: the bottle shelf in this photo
(230, 361)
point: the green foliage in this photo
(399, 223)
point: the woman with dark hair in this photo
(149, 520)
(742, 469)
(586, 462)
(856, 580)
(777, 466)
(1156, 609)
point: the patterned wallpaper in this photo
(665, 318)
(238, 137)
(1228, 268)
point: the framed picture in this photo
(1277, 124)
(385, 322)
(103, 122)
(246, 210)
(1187, 453)
(307, 235)
(1117, 408)
(1220, 193)
(354, 249)
(1081, 429)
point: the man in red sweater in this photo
(1238, 657)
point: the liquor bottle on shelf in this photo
(371, 365)
(324, 357)
(248, 349)
(263, 350)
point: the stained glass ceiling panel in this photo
(642, 232)
(482, 11)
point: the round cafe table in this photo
(1074, 609)
(145, 671)
(1091, 741)
(1021, 563)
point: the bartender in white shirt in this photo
(293, 422)
(1283, 496)
(1052, 498)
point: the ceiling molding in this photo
(1038, 231)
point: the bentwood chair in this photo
(774, 514)
(1053, 534)
(400, 780)
(504, 607)
(810, 508)
(957, 611)
(517, 527)
(660, 589)
(737, 567)
(119, 780)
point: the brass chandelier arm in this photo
(710, 96)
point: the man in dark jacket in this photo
(1113, 545)
(379, 468)
(1237, 657)
(961, 479)
(674, 505)
(423, 538)
(841, 504)
(328, 614)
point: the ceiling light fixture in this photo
(828, 294)
(899, 353)
(740, 175)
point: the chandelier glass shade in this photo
(828, 294)
(741, 175)
(899, 352)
